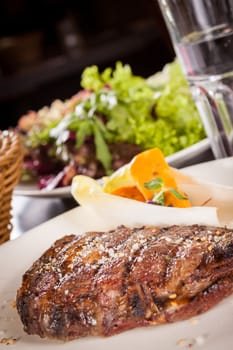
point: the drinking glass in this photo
(202, 36)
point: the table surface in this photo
(29, 212)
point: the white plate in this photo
(219, 171)
(31, 190)
(193, 154)
(209, 331)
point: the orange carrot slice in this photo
(130, 192)
(172, 201)
(149, 165)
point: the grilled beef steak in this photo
(103, 283)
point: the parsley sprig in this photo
(157, 185)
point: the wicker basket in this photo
(10, 169)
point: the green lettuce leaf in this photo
(122, 107)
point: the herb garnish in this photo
(157, 184)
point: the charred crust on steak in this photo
(103, 283)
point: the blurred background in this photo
(45, 45)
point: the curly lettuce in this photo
(122, 107)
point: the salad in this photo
(112, 118)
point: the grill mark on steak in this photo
(102, 283)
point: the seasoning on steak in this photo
(103, 283)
